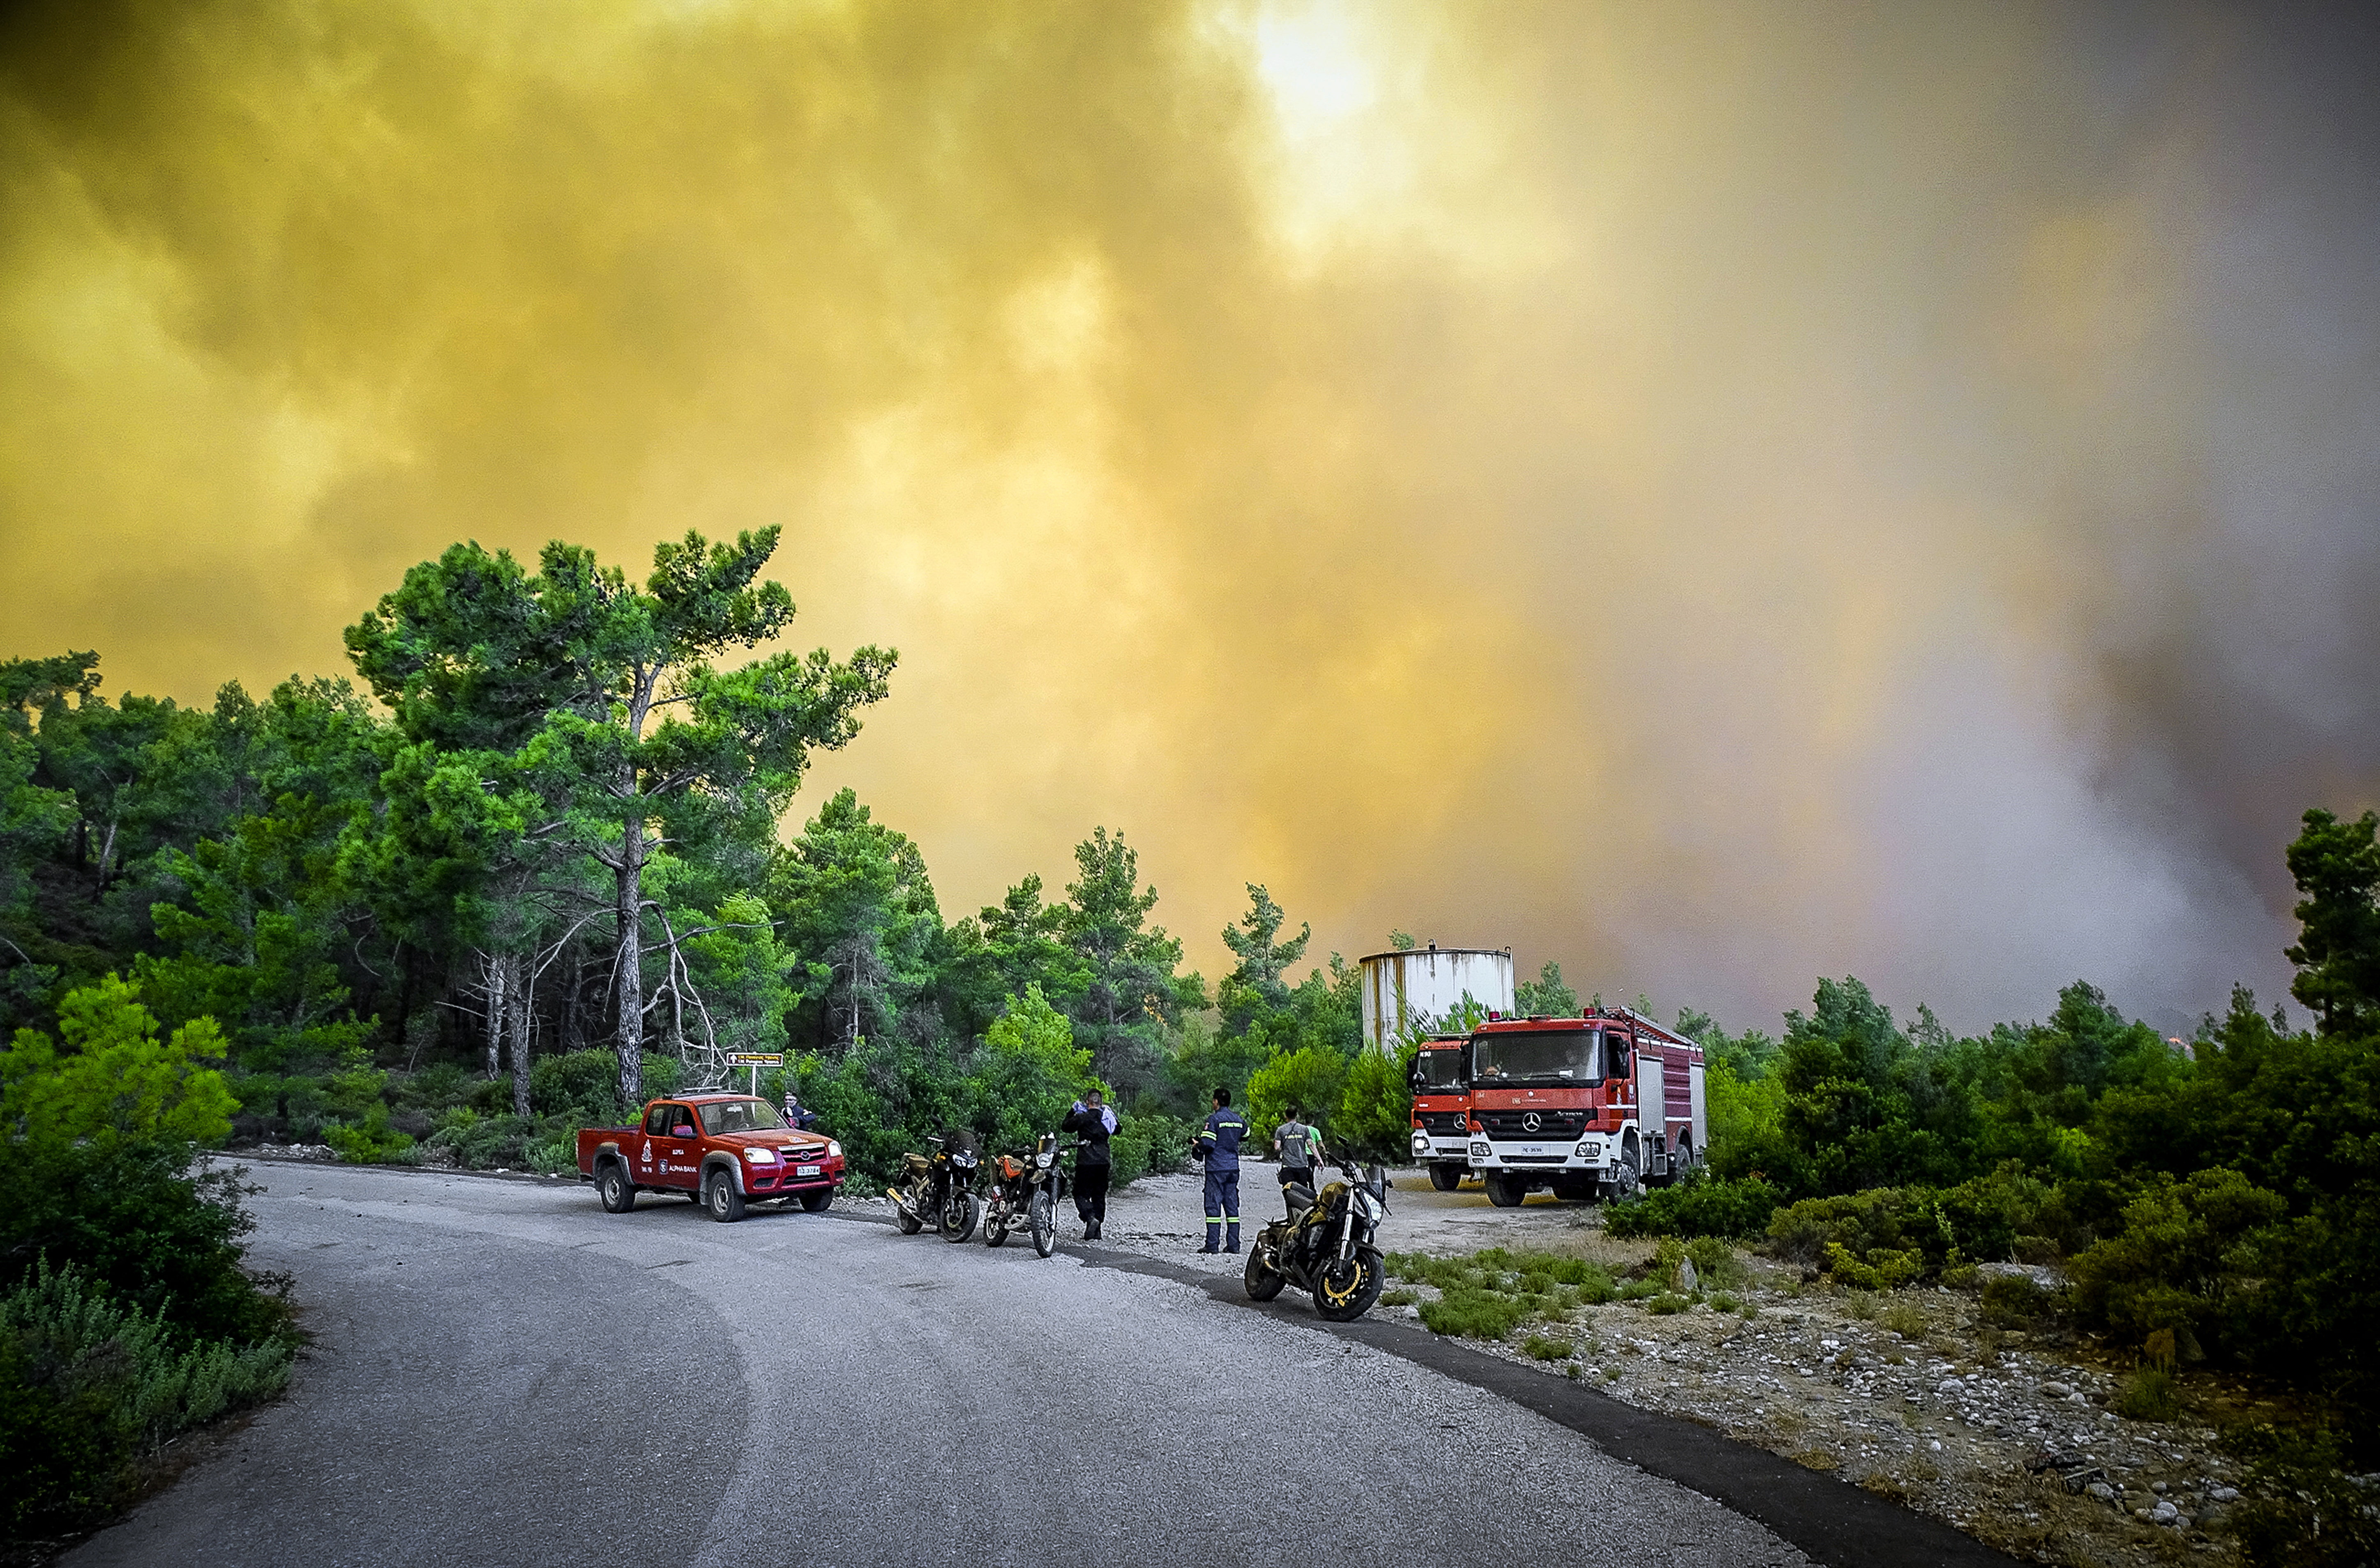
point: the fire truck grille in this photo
(1447, 1124)
(1549, 1124)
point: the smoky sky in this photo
(1712, 494)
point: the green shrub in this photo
(2012, 1301)
(1905, 1320)
(1667, 1303)
(1474, 1314)
(1721, 1301)
(1715, 1261)
(1858, 1222)
(1637, 1290)
(483, 1142)
(584, 1084)
(102, 1382)
(64, 1461)
(1150, 1145)
(1399, 1298)
(2301, 1510)
(2180, 1259)
(1700, 1205)
(1882, 1269)
(1541, 1348)
(2149, 1395)
(140, 1222)
(370, 1140)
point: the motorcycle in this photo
(1024, 1190)
(1325, 1247)
(939, 1190)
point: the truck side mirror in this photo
(682, 1130)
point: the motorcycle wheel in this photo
(960, 1216)
(1263, 1281)
(1042, 1216)
(1446, 1178)
(995, 1225)
(1346, 1288)
(905, 1214)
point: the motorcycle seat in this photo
(1300, 1198)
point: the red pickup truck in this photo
(722, 1151)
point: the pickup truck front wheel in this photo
(619, 1194)
(726, 1204)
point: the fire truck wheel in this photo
(1446, 1178)
(1505, 1192)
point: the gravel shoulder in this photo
(2008, 1437)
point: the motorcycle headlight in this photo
(1367, 1205)
(1044, 1158)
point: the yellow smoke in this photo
(1693, 492)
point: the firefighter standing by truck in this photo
(1218, 1146)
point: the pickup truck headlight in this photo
(833, 1150)
(761, 1156)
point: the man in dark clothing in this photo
(1091, 1121)
(1217, 1145)
(797, 1118)
(1300, 1148)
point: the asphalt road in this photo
(503, 1373)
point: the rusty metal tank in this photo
(1410, 991)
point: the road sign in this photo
(756, 1058)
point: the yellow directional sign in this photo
(756, 1058)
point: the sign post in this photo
(756, 1060)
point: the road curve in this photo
(504, 1374)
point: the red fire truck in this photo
(1588, 1106)
(1441, 1109)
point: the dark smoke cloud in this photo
(1714, 496)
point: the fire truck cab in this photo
(1441, 1109)
(1590, 1108)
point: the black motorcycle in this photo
(1325, 1247)
(1024, 1190)
(938, 1188)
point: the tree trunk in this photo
(517, 1027)
(629, 1042)
(492, 969)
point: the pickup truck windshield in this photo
(1552, 1055)
(1441, 1070)
(740, 1116)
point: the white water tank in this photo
(1411, 991)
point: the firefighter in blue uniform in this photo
(1217, 1145)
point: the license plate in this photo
(805, 1170)
(1532, 1148)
